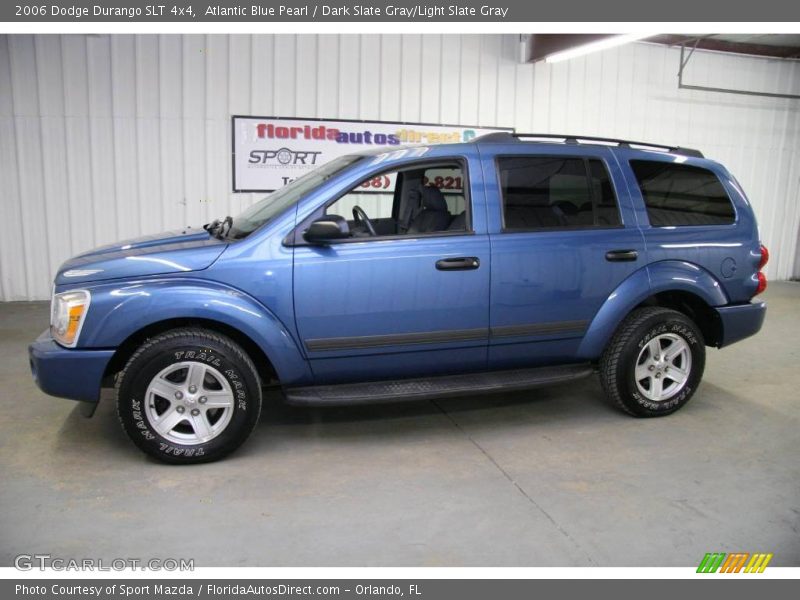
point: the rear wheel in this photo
(188, 396)
(654, 362)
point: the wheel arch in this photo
(694, 307)
(123, 353)
(682, 286)
(122, 316)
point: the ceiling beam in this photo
(542, 45)
(709, 42)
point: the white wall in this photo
(108, 137)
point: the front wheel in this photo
(189, 395)
(654, 362)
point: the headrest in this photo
(433, 199)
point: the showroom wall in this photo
(109, 137)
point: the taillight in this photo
(764, 257)
(762, 279)
(762, 283)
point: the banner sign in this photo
(269, 152)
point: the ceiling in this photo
(786, 46)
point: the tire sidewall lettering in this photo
(688, 334)
(140, 377)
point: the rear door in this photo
(563, 236)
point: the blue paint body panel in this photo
(120, 310)
(173, 252)
(66, 372)
(370, 309)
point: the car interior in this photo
(419, 200)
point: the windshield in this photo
(270, 206)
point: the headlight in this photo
(67, 313)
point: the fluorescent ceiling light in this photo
(604, 44)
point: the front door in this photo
(409, 298)
(564, 236)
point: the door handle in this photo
(463, 263)
(621, 255)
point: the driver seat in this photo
(434, 215)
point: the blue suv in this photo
(501, 264)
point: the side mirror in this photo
(327, 229)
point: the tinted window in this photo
(682, 194)
(551, 192)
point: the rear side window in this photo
(678, 195)
(550, 192)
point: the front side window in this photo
(677, 195)
(550, 192)
(415, 199)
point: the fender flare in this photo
(663, 276)
(121, 310)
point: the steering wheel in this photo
(361, 218)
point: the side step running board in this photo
(434, 387)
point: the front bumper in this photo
(67, 372)
(740, 321)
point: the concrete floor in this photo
(551, 477)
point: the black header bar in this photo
(404, 11)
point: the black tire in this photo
(219, 358)
(619, 361)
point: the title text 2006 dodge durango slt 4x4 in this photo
(505, 263)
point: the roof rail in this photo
(506, 137)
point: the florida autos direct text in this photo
(187, 590)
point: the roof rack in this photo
(506, 137)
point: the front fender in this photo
(663, 276)
(119, 310)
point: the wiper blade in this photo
(219, 229)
